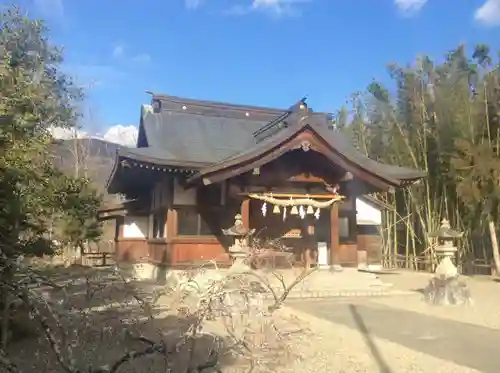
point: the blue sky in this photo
(260, 52)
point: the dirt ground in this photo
(404, 333)
(485, 292)
(104, 315)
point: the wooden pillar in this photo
(171, 231)
(245, 217)
(311, 245)
(353, 223)
(334, 235)
(245, 212)
(120, 222)
(171, 228)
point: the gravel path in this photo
(333, 347)
(485, 310)
(330, 344)
(337, 345)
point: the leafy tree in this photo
(445, 119)
(79, 202)
(35, 95)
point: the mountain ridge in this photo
(91, 157)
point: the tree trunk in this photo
(494, 246)
(81, 253)
(5, 305)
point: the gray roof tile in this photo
(198, 138)
(197, 134)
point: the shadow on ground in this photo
(367, 336)
(380, 273)
(90, 287)
(102, 324)
(462, 343)
(419, 290)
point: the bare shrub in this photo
(202, 320)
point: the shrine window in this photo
(158, 212)
(190, 222)
(347, 204)
(210, 195)
(347, 226)
(344, 228)
(369, 230)
(158, 224)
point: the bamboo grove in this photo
(442, 118)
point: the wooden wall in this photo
(198, 250)
(369, 244)
(175, 249)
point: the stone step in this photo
(334, 289)
(338, 288)
(328, 280)
(348, 282)
(336, 284)
(346, 293)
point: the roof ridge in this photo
(215, 104)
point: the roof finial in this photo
(303, 105)
(300, 105)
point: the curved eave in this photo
(376, 203)
(158, 160)
(111, 179)
(387, 176)
(114, 210)
(126, 160)
(250, 155)
(404, 174)
(409, 180)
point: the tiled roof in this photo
(192, 137)
(202, 135)
(318, 123)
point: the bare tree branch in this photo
(7, 364)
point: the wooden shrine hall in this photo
(288, 173)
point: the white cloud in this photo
(410, 7)
(53, 9)
(193, 4)
(142, 58)
(66, 134)
(268, 4)
(118, 50)
(119, 134)
(93, 76)
(278, 7)
(272, 7)
(97, 76)
(123, 135)
(488, 13)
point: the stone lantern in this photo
(445, 287)
(446, 249)
(240, 249)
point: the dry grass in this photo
(100, 321)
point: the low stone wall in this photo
(144, 271)
(320, 284)
(67, 257)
